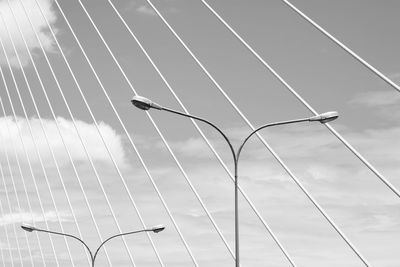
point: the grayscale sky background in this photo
(323, 74)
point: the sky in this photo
(56, 117)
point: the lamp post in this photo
(146, 104)
(155, 229)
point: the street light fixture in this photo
(154, 229)
(146, 104)
(158, 228)
(28, 228)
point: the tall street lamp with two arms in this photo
(146, 104)
(155, 229)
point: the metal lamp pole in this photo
(154, 229)
(145, 104)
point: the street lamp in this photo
(146, 104)
(154, 229)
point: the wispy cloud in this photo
(376, 98)
(39, 25)
(27, 217)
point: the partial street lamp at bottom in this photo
(154, 229)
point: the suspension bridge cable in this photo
(33, 138)
(125, 76)
(23, 182)
(343, 46)
(45, 134)
(203, 135)
(261, 138)
(106, 146)
(81, 140)
(62, 138)
(10, 210)
(307, 105)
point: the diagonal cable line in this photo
(45, 133)
(180, 167)
(322, 211)
(59, 131)
(105, 144)
(343, 46)
(81, 140)
(31, 132)
(304, 102)
(203, 136)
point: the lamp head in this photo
(158, 228)
(28, 228)
(144, 103)
(325, 117)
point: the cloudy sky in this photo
(55, 119)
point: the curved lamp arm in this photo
(62, 234)
(114, 236)
(265, 126)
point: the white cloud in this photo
(9, 136)
(38, 22)
(29, 218)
